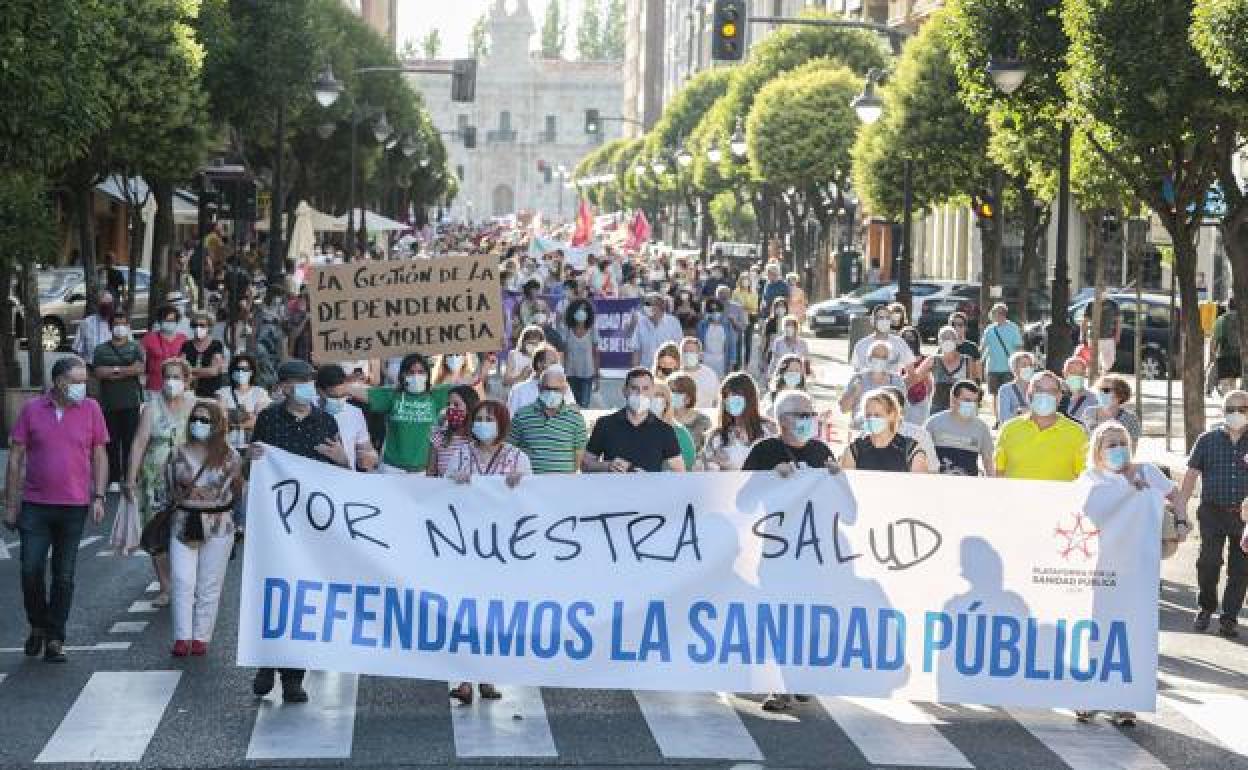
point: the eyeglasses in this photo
(1116, 445)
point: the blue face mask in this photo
(968, 408)
(804, 428)
(735, 404)
(1044, 404)
(305, 392)
(1116, 458)
(875, 425)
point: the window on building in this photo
(459, 172)
(504, 121)
(550, 134)
(504, 133)
(461, 122)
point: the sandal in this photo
(776, 703)
(489, 691)
(463, 693)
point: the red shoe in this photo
(199, 648)
(181, 648)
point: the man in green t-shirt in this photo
(1225, 348)
(116, 366)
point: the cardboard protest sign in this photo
(388, 309)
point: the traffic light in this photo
(728, 32)
(464, 80)
(470, 137)
(593, 122)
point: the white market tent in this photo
(373, 222)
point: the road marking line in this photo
(893, 732)
(143, 605)
(97, 647)
(514, 726)
(152, 587)
(1219, 714)
(4, 549)
(106, 552)
(128, 627)
(86, 541)
(322, 728)
(96, 729)
(1094, 746)
(695, 725)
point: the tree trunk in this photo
(84, 196)
(162, 245)
(1093, 328)
(1190, 333)
(34, 324)
(137, 235)
(6, 349)
(1035, 221)
(1235, 242)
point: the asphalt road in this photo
(122, 701)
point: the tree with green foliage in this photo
(479, 38)
(1142, 95)
(674, 132)
(1220, 35)
(614, 30)
(431, 43)
(589, 32)
(554, 31)
(734, 221)
(799, 133)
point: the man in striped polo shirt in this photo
(551, 431)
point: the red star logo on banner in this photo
(1078, 538)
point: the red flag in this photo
(584, 232)
(638, 232)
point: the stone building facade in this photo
(527, 110)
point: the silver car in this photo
(63, 300)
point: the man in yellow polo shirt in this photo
(1042, 444)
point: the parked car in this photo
(934, 312)
(63, 300)
(831, 316)
(1156, 356)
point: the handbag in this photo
(159, 531)
(124, 539)
(1169, 533)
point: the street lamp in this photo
(409, 147)
(381, 129)
(867, 104)
(326, 130)
(659, 166)
(870, 108)
(327, 88)
(715, 154)
(1007, 74)
(684, 157)
(737, 142)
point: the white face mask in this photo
(678, 401)
(883, 325)
(948, 346)
(691, 360)
(241, 377)
(485, 432)
(454, 362)
(173, 388)
(168, 327)
(1236, 421)
(877, 365)
(335, 405)
(200, 332)
(415, 383)
(530, 348)
(792, 379)
(638, 403)
(121, 331)
(200, 431)
(551, 399)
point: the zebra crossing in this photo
(115, 716)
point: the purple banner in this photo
(612, 320)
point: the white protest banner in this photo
(919, 586)
(390, 308)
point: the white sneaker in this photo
(114, 487)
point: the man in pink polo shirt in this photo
(58, 447)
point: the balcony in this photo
(501, 136)
(547, 137)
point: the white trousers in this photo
(198, 574)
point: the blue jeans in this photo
(55, 528)
(582, 390)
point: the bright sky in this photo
(454, 19)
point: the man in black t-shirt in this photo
(795, 449)
(633, 439)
